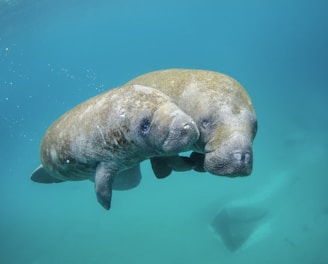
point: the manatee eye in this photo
(205, 123)
(145, 125)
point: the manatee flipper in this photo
(198, 160)
(103, 184)
(160, 167)
(163, 166)
(180, 163)
(127, 179)
(40, 175)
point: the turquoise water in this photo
(56, 54)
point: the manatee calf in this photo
(224, 115)
(111, 134)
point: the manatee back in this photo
(197, 89)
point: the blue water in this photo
(56, 54)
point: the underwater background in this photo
(56, 54)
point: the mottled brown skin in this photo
(111, 134)
(223, 112)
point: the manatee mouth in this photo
(236, 163)
(228, 169)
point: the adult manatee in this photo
(224, 115)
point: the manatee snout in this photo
(172, 131)
(182, 135)
(233, 158)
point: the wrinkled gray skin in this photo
(224, 115)
(111, 134)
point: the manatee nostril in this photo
(248, 158)
(244, 157)
(186, 126)
(237, 156)
(189, 129)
